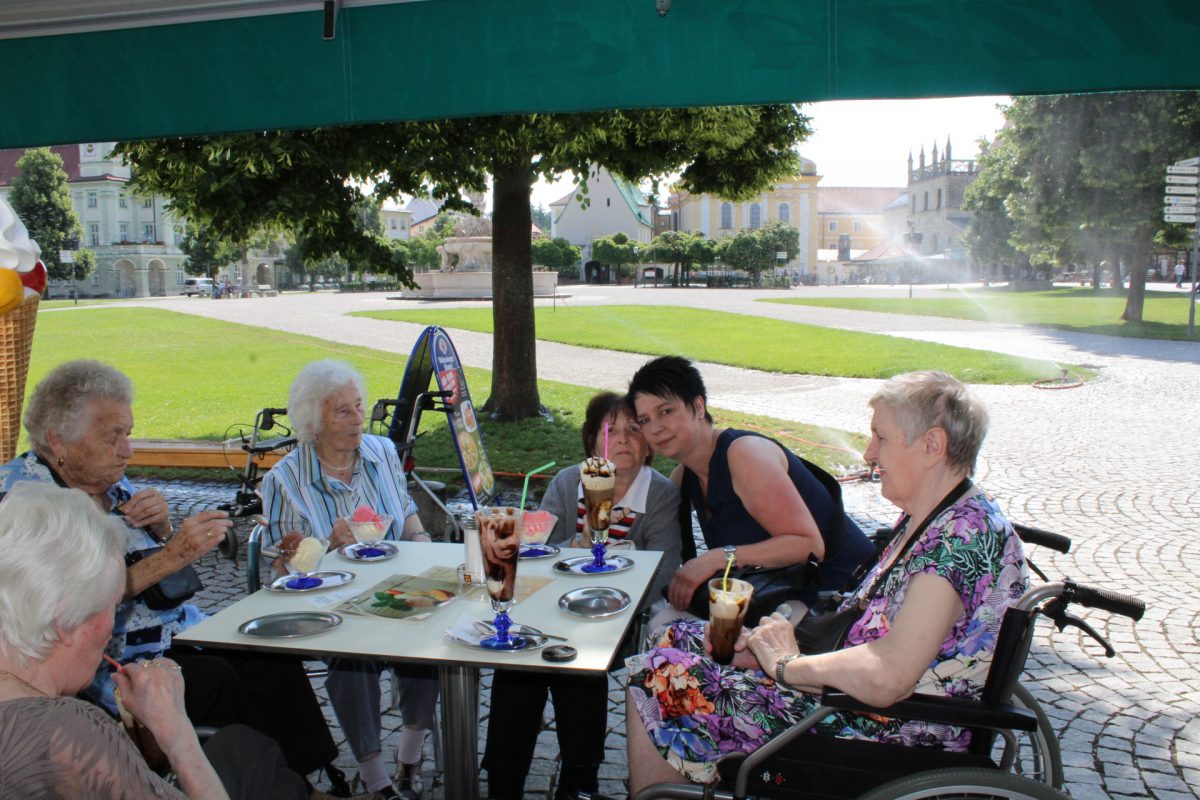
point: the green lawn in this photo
(746, 341)
(1164, 314)
(202, 379)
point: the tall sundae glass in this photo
(599, 478)
(500, 541)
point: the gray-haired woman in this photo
(61, 576)
(79, 419)
(335, 469)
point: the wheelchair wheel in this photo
(964, 784)
(1038, 755)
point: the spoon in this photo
(484, 627)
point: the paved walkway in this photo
(1111, 464)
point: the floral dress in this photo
(696, 710)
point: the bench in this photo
(188, 454)
(266, 290)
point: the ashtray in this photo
(290, 625)
(594, 602)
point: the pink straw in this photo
(112, 661)
(606, 427)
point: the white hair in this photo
(934, 399)
(310, 389)
(61, 400)
(60, 564)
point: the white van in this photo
(200, 286)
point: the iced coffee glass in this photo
(500, 541)
(727, 604)
(599, 478)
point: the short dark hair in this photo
(600, 409)
(670, 376)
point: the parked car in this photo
(200, 286)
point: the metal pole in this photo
(1195, 257)
(460, 731)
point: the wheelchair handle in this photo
(1041, 538)
(1105, 600)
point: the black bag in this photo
(773, 586)
(171, 591)
(824, 633)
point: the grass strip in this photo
(743, 340)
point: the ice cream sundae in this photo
(308, 555)
(367, 526)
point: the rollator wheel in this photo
(229, 545)
(964, 784)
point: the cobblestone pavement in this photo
(1112, 464)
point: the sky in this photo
(867, 142)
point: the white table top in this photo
(425, 641)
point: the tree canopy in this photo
(1080, 178)
(42, 200)
(310, 179)
(684, 251)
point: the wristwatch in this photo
(781, 665)
(731, 553)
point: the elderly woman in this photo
(756, 501)
(334, 470)
(932, 606)
(79, 419)
(61, 576)
(650, 521)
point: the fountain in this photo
(465, 271)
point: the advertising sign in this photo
(460, 409)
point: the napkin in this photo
(464, 631)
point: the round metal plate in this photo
(538, 551)
(329, 579)
(594, 602)
(536, 640)
(574, 566)
(356, 551)
(291, 625)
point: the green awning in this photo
(251, 67)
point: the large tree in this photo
(42, 200)
(684, 251)
(617, 251)
(1081, 178)
(206, 252)
(309, 179)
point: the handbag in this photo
(773, 586)
(171, 591)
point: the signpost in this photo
(1180, 208)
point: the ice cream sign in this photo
(22, 274)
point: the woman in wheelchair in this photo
(924, 619)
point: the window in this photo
(94, 234)
(608, 202)
(392, 225)
(180, 234)
(755, 216)
(148, 233)
(123, 201)
(91, 199)
(858, 227)
(914, 203)
(124, 229)
(785, 212)
(926, 208)
(939, 198)
(726, 215)
(833, 227)
(148, 203)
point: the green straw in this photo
(528, 475)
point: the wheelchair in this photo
(796, 766)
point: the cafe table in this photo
(425, 642)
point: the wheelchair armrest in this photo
(961, 711)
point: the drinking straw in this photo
(725, 577)
(112, 661)
(530, 474)
(606, 426)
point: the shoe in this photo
(409, 782)
(338, 785)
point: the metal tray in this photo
(531, 550)
(574, 566)
(290, 625)
(352, 551)
(537, 640)
(329, 579)
(594, 602)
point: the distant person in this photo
(1180, 269)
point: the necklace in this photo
(332, 468)
(23, 682)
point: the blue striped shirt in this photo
(298, 496)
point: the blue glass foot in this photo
(369, 552)
(511, 642)
(598, 563)
(303, 582)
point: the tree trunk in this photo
(514, 343)
(1136, 297)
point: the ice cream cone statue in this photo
(22, 279)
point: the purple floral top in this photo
(972, 546)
